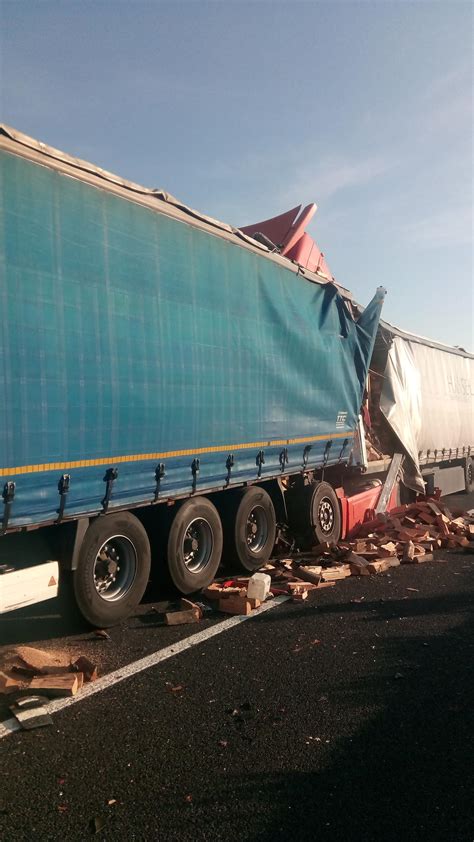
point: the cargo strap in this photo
(63, 488)
(110, 477)
(306, 453)
(159, 474)
(8, 496)
(195, 472)
(344, 445)
(283, 459)
(326, 452)
(229, 465)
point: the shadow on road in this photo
(407, 774)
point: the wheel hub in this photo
(257, 529)
(197, 545)
(326, 515)
(111, 579)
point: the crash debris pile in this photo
(408, 535)
(238, 596)
(27, 671)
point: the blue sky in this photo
(245, 109)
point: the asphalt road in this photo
(347, 717)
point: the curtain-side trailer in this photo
(420, 401)
(167, 384)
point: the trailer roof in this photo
(152, 197)
(423, 340)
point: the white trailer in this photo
(421, 403)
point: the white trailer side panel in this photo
(428, 400)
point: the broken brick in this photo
(235, 605)
(178, 618)
(87, 667)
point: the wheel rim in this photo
(115, 568)
(198, 543)
(326, 515)
(257, 529)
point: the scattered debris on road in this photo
(102, 634)
(8, 684)
(190, 612)
(408, 535)
(58, 685)
(97, 824)
(30, 661)
(259, 586)
(25, 669)
(235, 605)
(174, 689)
(87, 667)
(31, 713)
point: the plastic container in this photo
(259, 586)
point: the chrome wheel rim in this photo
(326, 515)
(256, 529)
(115, 568)
(198, 543)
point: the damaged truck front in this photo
(167, 383)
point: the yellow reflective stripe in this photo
(117, 460)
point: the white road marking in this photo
(10, 725)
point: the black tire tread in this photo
(236, 551)
(95, 610)
(323, 489)
(183, 579)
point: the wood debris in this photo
(57, 685)
(179, 618)
(86, 667)
(50, 672)
(30, 711)
(254, 603)
(235, 605)
(409, 534)
(32, 661)
(8, 684)
(339, 571)
(379, 566)
(299, 596)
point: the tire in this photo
(107, 591)
(194, 545)
(250, 530)
(469, 474)
(325, 514)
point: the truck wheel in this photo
(113, 569)
(325, 514)
(250, 530)
(194, 545)
(469, 472)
